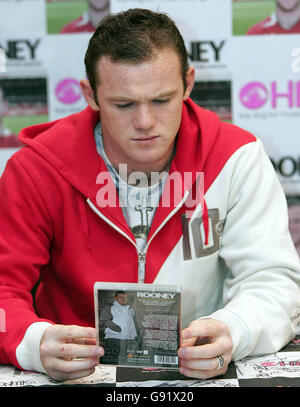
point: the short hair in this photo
(133, 36)
(119, 292)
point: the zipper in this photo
(168, 218)
(142, 267)
(141, 254)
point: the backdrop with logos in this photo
(246, 54)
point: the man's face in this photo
(288, 5)
(121, 298)
(140, 109)
(98, 5)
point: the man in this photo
(63, 225)
(285, 20)
(120, 330)
(97, 10)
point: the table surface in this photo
(281, 369)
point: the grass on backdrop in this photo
(246, 14)
(61, 13)
(16, 123)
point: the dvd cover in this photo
(138, 325)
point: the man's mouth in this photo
(146, 140)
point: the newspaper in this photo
(13, 377)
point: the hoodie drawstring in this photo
(205, 217)
(205, 220)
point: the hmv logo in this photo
(255, 95)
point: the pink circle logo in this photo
(68, 91)
(254, 95)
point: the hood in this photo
(68, 145)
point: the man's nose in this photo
(144, 118)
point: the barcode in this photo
(169, 360)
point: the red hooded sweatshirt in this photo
(52, 236)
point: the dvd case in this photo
(138, 325)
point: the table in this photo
(281, 369)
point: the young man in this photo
(120, 329)
(285, 20)
(97, 10)
(66, 222)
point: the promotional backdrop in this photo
(246, 54)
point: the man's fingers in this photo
(203, 368)
(65, 332)
(82, 341)
(87, 341)
(204, 328)
(79, 351)
(67, 367)
(69, 350)
(203, 364)
(195, 341)
(198, 357)
(207, 351)
(188, 342)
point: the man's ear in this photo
(189, 80)
(88, 94)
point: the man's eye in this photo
(124, 105)
(161, 101)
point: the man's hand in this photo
(202, 341)
(60, 347)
